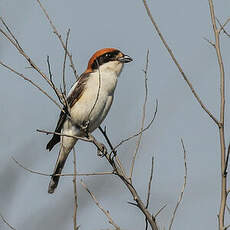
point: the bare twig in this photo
(178, 65)
(98, 91)
(221, 123)
(149, 191)
(64, 63)
(160, 210)
(31, 82)
(60, 39)
(16, 44)
(104, 133)
(6, 222)
(60, 96)
(183, 187)
(66, 174)
(225, 228)
(211, 43)
(75, 227)
(143, 116)
(65, 135)
(222, 26)
(136, 134)
(227, 159)
(106, 212)
(128, 183)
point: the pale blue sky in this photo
(24, 200)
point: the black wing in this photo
(73, 97)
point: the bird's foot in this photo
(85, 126)
(101, 150)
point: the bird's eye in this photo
(108, 55)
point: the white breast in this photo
(97, 97)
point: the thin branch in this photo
(66, 174)
(11, 34)
(64, 63)
(222, 26)
(60, 39)
(149, 191)
(225, 228)
(211, 43)
(16, 44)
(75, 227)
(65, 135)
(178, 65)
(6, 222)
(136, 134)
(183, 187)
(160, 210)
(104, 133)
(106, 212)
(223, 198)
(31, 82)
(60, 97)
(137, 199)
(143, 116)
(227, 159)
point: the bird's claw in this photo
(101, 151)
(85, 126)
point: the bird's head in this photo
(108, 59)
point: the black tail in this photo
(55, 139)
(55, 179)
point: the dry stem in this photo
(183, 187)
(149, 191)
(106, 212)
(221, 123)
(75, 227)
(143, 116)
(60, 39)
(66, 174)
(178, 65)
(6, 222)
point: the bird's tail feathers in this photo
(63, 154)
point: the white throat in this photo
(113, 67)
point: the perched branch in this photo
(114, 152)
(128, 183)
(106, 212)
(183, 187)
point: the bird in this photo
(89, 101)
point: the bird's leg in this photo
(112, 155)
(101, 150)
(85, 127)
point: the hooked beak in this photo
(125, 59)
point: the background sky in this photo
(24, 200)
